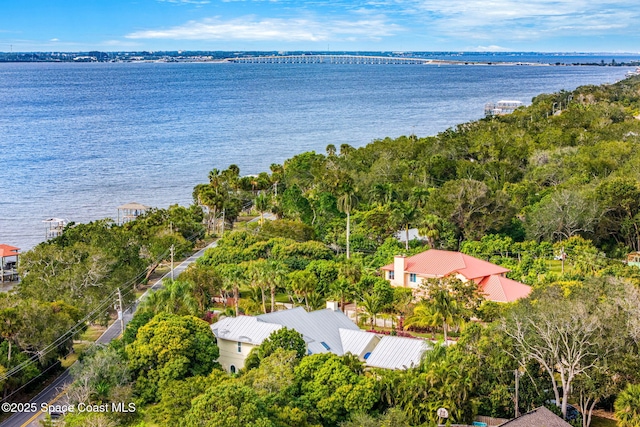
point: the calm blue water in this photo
(78, 140)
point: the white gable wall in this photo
(229, 355)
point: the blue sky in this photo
(377, 25)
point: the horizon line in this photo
(281, 51)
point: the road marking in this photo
(37, 414)
(186, 263)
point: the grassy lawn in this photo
(83, 342)
(78, 349)
(556, 266)
(69, 360)
(282, 298)
(603, 422)
(92, 333)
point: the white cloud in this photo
(487, 24)
(251, 28)
(54, 40)
(508, 19)
(492, 48)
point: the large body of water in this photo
(78, 140)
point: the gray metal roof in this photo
(317, 327)
(397, 353)
(324, 331)
(356, 342)
(244, 328)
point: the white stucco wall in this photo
(229, 354)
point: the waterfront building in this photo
(501, 107)
(9, 261)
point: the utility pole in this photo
(120, 311)
(222, 234)
(517, 374)
(172, 251)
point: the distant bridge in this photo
(329, 59)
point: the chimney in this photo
(398, 270)
(333, 305)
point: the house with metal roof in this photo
(397, 353)
(321, 331)
(359, 343)
(412, 271)
(237, 336)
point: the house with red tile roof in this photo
(412, 271)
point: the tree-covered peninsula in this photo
(550, 192)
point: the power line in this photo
(92, 315)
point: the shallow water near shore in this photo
(78, 140)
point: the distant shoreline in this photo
(414, 58)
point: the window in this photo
(325, 345)
(392, 275)
(239, 347)
(232, 369)
(412, 278)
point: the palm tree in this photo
(382, 193)
(402, 300)
(181, 299)
(351, 271)
(233, 276)
(423, 317)
(258, 273)
(315, 301)
(341, 289)
(445, 308)
(372, 306)
(231, 177)
(627, 406)
(430, 228)
(303, 282)
(277, 278)
(176, 297)
(441, 309)
(405, 214)
(206, 283)
(262, 205)
(346, 202)
(214, 200)
(419, 197)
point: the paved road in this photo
(54, 391)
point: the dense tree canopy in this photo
(558, 179)
(168, 348)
